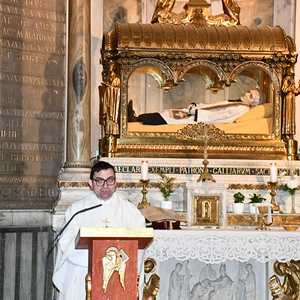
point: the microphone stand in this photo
(56, 240)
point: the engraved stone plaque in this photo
(32, 96)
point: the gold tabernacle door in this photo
(240, 80)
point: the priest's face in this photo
(104, 183)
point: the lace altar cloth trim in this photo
(216, 246)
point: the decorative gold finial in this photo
(144, 203)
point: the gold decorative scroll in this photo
(114, 261)
(201, 132)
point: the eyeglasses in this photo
(101, 181)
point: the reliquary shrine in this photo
(210, 103)
(160, 69)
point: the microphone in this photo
(56, 240)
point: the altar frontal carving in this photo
(188, 68)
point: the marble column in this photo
(74, 177)
(79, 85)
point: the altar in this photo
(202, 255)
(206, 262)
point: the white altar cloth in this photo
(218, 245)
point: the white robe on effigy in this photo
(72, 264)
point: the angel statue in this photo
(196, 10)
(162, 11)
(230, 15)
(290, 89)
(114, 260)
(290, 288)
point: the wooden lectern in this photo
(112, 273)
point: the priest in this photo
(71, 265)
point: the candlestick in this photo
(273, 173)
(273, 187)
(269, 216)
(144, 203)
(256, 214)
(144, 170)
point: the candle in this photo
(273, 173)
(269, 216)
(144, 170)
(256, 214)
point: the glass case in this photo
(202, 86)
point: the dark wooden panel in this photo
(25, 271)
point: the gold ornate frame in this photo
(174, 50)
(205, 210)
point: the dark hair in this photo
(100, 165)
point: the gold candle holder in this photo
(202, 132)
(263, 218)
(273, 192)
(144, 203)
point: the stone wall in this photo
(32, 92)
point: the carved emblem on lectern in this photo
(114, 261)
